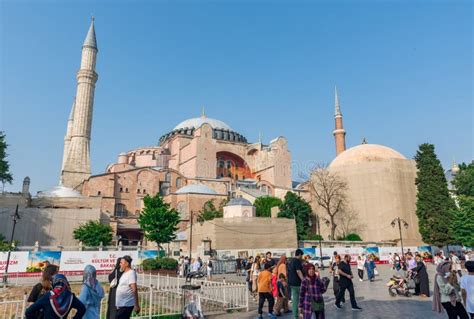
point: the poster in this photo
(145, 254)
(374, 252)
(18, 261)
(37, 259)
(101, 260)
(426, 253)
(311, 251)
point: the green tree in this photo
(434, 205)
(353, 237)
(93, 233)
(462, 226)
(209, 211)
(5, 175)
(296, 207)
(464, 180)
(158, 220)
(263, 205)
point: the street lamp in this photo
(400, 221)
(318, 226)
(16, 217)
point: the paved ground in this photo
(373, 297)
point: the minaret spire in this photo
(76, 166)
(339, 132)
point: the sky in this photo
(403, 69)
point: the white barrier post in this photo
(150, 302)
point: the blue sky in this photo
(404, 72)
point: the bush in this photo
(353, 237)
(314, 237)
(149, 264)
(167, 263)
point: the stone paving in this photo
(373, 297)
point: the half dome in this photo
(60, 191)
(366, 153)
(196, 189)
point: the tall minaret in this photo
(339, 132)
(67, 137)
(76, 167)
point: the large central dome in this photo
(366, 153)
(197, 122)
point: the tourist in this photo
(238, 266)
(58, 302)
(311, 295)
(438, 258)
(91, 293)
(345, 282)
(181, 266)
(265, 291)
(281, 266)
(391, 261)
(126, 298)
(370, 265)
(360, 267)
(467, 288)
(187, 266)
(209, 269)
(274, 271)
(255, 271)
(282, 298)
(43, 287)
(248, 269)
(456, 263)
(295, 276)
(422, 283)
(335, 277)
(397, 262)
(446, 292)
(195, 265)
(269, 259)
(114, 278)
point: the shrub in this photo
(149, 264)
(167, 263)
(314, 237)
(353, 237)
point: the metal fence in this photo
(224, 266)
(13, 309)
(216, 295)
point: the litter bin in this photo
(191, 300)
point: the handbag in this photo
(114, 282)
(317, 305)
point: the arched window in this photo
(168, 177)
(120, 210)
(229, 164)
(178, 182)
(221, 164)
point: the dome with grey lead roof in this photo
(196, 189)
(197, 122)
(239, 201)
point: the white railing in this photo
(13, 309)
(31, 279)
(224, 294)
(153, 303)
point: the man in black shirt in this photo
(345, 282)
(295, 275)
(268, 259)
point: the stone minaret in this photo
(67, 137)
(76, 166)
(339, 132)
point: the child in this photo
(265, 291)
(282, 298)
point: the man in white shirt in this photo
(126, 298)
(467, 288)
(456, 263)
(196, 265)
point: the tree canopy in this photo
(93, 233)
(296, 207)
(5, 175)
(434, 206)
(462, 226)
(158, 220)
(464, 180)
(263, 205)
(209, 211)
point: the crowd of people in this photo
(188, 265)
(52, 297)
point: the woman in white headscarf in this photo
(91, 293)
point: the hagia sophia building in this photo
(202, 159)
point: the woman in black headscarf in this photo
(114, 278)
(422, 281)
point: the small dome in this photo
(366, 153)
(60, 191)
(239, 201)
(197, 189)
(197, 122)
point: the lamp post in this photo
(16, 217)
(318, 226)
(400, 221)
